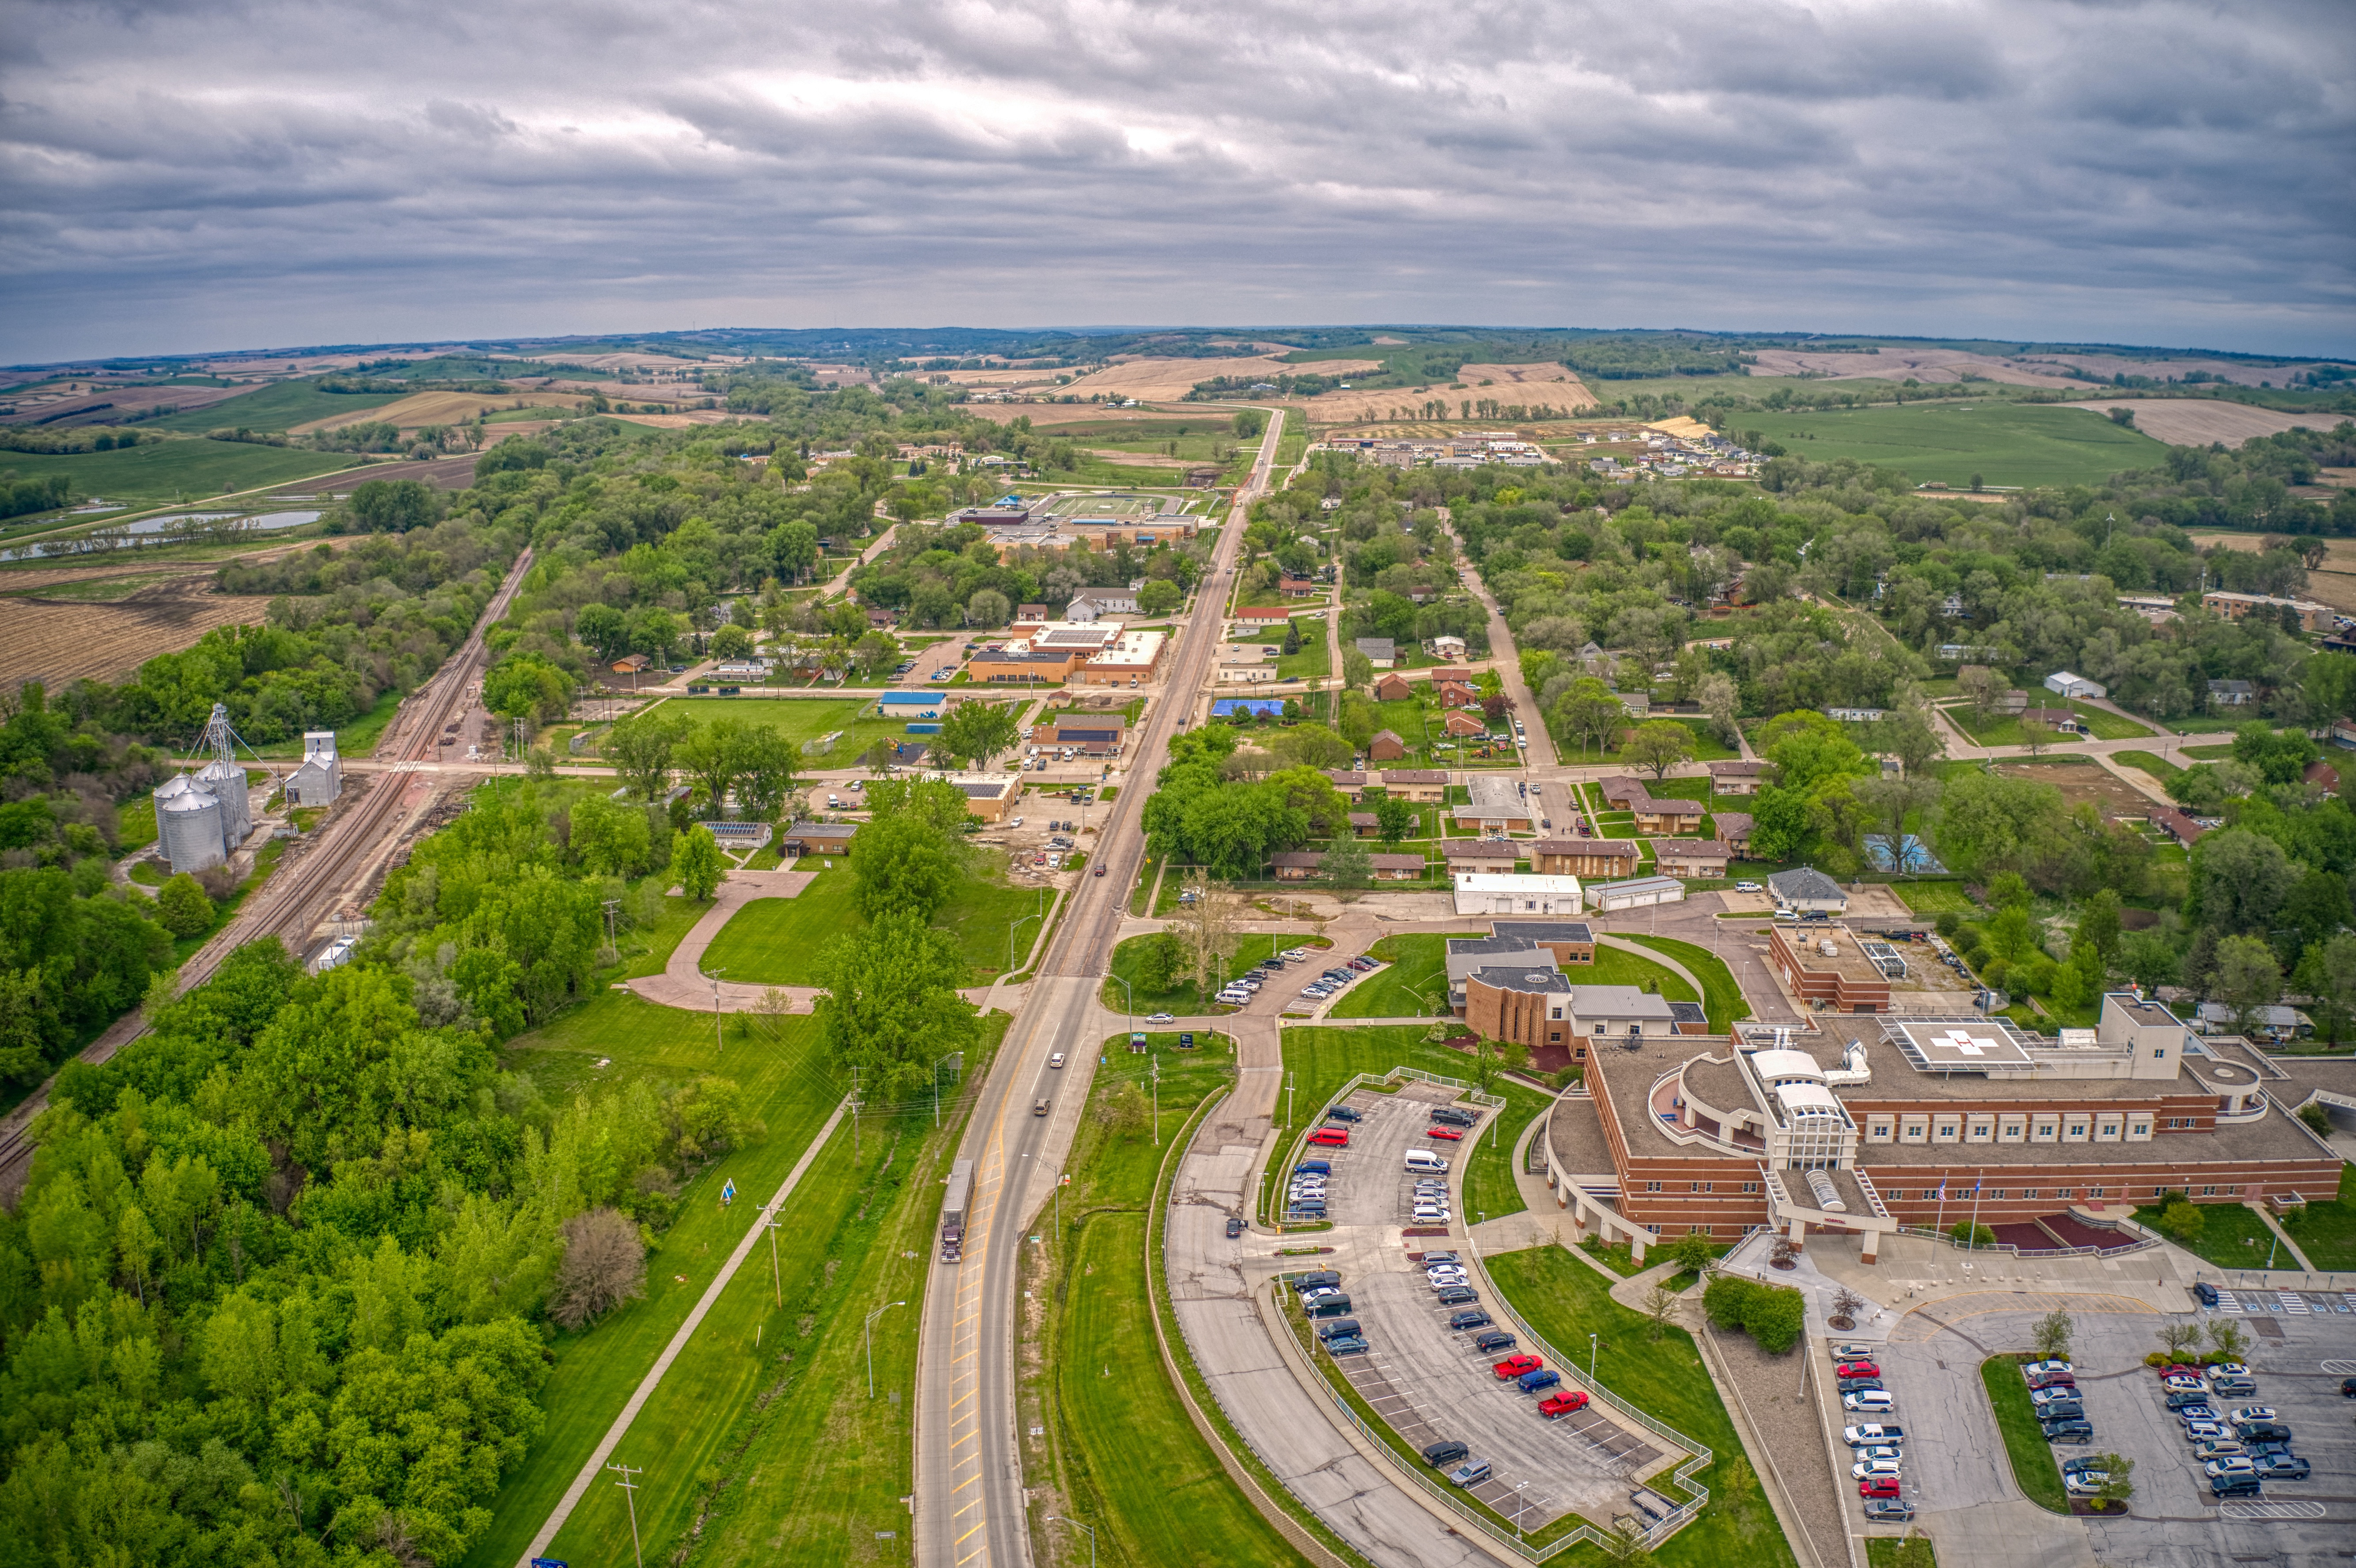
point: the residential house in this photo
(1297, 865)
(882, 620)
(1657, 814)
(1352, 784)
(1600, 858)
(1480, 855)
(1395, 867)
(1380, 651)
(1094, 604)
(2272, 1025)
(2177, 825)
(2232, 694)
(1365, 824)
(1300, 588)
(1733, 832)
(1300, 865)
(1689, 858)
(1032, 613)
(1740, 777)
(1806, 888)
(1424, 786)
(1446, 647)
(1635, 704)
(630, 663)
(1620, 792)
(1387, 747)
(1263, 615)
(1392, 688)
(1463, 725)
(1455, 695)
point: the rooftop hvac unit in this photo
(1828, 1197)
(1829, 947)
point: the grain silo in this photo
(189, 824)
(226, 782)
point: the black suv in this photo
(1494, 1341)
(1447, 1452)
(1344, 1113)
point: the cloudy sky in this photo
(191, 175)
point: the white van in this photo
(1425, 1160)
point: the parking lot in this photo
(1429, 1381)
(1959, 1478)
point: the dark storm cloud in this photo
(187, 175)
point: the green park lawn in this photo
(778, 941)
(2231, 1237)
(2033, 1466)
(165, 470)
(1325, 1058)
(1706, 747)
(1416, 983)
(1935, 898)
(1946, 443)
(2327, 1234)
(1721, 996)
(800, 719)
(1999, 729)
(787, 1084)
(1117, 1441)
(2158, 767)
(1565, 1301)
(1310, 663)
(2209, 753)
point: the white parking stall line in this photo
(2272, 1510)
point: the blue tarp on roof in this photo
(1913, 854)
(913, 699)
(1272, 707)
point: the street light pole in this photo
(937, 1086)
(1058, 1519)
(777, 1278)
(870, 1331)
(717, 1043)
(1130, 996)
(1591, 1359)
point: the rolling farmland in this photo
(2007, 443)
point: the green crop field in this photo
(778, 941)
(166, 470)
(1566, 1301)
(275, 408)
(2006, 444)
(1116, 1441)
(1325, 1058)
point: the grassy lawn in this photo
(2008, 444)
(1934, 897)
(165, 470)
(2327, 1234)
(1326, 1058)
(357, 738)
(778, 941)
(2234, 1237)
(1309, 664)
(2157, 767)
(799, 720)
(1420, 963)
(1414, 985)
(1564, 1300)
(1181, 998)
(2208, 753)
(1619, 1257)
(1117, 1444)
(1883, 1552)
(787, 1084)
(1706, 748)
(1721, 995)
(1999, 729)
(2033, 1466)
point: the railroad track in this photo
(287, 906)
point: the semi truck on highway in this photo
(953, 1211)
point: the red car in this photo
(2180, 1371)
(1857, 1369)
(1878, 1487)
(1331, 1137)
(1562, 1404)
(1451, 1133)
(1515, 1366)
(1100, 871)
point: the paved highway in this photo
(969, 1497)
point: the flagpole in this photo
(1941, 1223)
(1979, 1179)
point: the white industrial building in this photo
(321, 778)
(1636, 893)
(2070, 685)
(1495, 893)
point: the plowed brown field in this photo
(62, 641)
(445, 408)
(1174, 377)
(2198, 421)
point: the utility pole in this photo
(871, 1342)
(610, 905)
(630, 1491)
(1157, 1102)
(777, 1279)
(716, 1040)
(854, 1118)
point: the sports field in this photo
(2006, 444)
(166, 470)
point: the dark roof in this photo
(822, 830)
(1364, 820)
(1739, 768)
(1533, 982)
(1666, 806)
(1688, 1013)
(988, 789)
(1534, 931)
(1344, 777)
(1804, 882)
(1414, 775)
(1623, 848)
(1732, 824)
(1304, 859)
(1396, 862)
(1481, 848)
(1001, 655)
(1688, 848)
